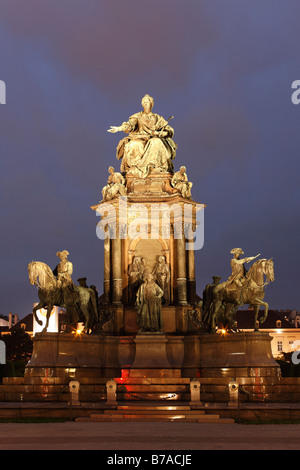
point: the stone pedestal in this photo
(239, 354)
(151, 351)
(173, 320)
(243, 354)
(64, 354)
(163, 217)
(150, 354)
(192, 356)
(153, 354)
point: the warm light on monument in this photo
(149, 323)
(42, 316)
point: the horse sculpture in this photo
(252, 292)
(50, 293)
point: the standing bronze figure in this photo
(148, 303)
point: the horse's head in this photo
(41, 275)
(260, 268)
(32, 273)
(269, 269)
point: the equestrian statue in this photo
(56, 288)
(221, 300)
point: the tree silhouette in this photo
(18, 345)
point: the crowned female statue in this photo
(149, 144)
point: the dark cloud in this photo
(223, 69)
(117, 43)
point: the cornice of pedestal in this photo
(148, 200)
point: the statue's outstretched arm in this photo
(128, 126)
(250, 258)
(114, 129)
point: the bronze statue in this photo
(80, 302)
(115, 185)
(105, 322)
(161, 273)
(181, 183)
(64, 269)
(207, 300)
(194, 318)
(238, 271)
(82, 282)
(136, 273)
(149, 145)
(249, 290)
(63, 273)
(148, 303)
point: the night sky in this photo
(223, 69)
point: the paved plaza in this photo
(148, 436)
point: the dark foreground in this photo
(151, 436)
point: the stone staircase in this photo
(146, 413)
(132, 389)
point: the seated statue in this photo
(115, 185)
(149, 145)
(181, 183)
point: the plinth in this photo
(243, 354)
(152, 223)
(56, 354)
(151, 359)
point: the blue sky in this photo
(223, 69)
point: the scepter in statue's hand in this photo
(160, 130)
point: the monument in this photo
(149, 320)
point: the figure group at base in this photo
(56, 288)
(151, 290)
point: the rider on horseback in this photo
(63, 273)
(64, 269)
(238, 271)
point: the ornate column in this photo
(106, 281)
(116, 261)
(191, 278)
(181, 271)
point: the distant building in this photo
(7, 322)
(294, 317)
(285, 336)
